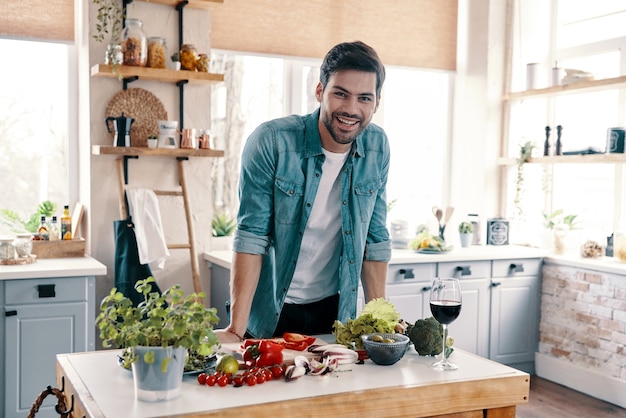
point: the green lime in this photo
(227, 364)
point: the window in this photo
(587, 37)
(414, 111)
(35, 132)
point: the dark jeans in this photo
(310, 318)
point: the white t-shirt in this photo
(317, 269)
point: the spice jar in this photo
(157, 51)
(202, 63)
(134, 44)
(7, 251)
(188, 56)
(24, 244)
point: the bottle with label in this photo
(53, 232)
(43, 230)
(66, 223)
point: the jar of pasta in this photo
(134, 44)
(157, 51)
(188, 57)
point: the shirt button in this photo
(348, 232)
(308, 205)
(351, 261)
(371, 191)
(317, 174)
(345, 202)
(291, 192)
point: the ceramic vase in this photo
(161, 380)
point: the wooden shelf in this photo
(157, 74)
(570, 159)
(162, 152)
(196, 4)
(586, 86)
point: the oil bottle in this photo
(66, 223)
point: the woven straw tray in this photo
(142, 106)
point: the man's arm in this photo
(374, 279)
(244, 278)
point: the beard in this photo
(335, 130)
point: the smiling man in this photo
(312, 215)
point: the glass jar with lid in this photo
(188, 57)
(7, 251)
(202, 63)
(157, 52)
(113, 55)
(134, 43)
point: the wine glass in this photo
(445, 305)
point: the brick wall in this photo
(583, 319)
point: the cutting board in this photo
(236, 350)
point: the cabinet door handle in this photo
(10, 313)
(426, 288)
(495, 284)
(408, 273)
(464, 270)
(516, 268)
(46, 291)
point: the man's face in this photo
(347, 106)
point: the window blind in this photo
(37, 19)
(413, 33)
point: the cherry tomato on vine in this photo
(202, 378)
(251, 380)
(222, 380)
(211, 380)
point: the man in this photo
(312, 208)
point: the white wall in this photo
(153, 172)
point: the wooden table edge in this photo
(495, 397)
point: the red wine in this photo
(445, 311)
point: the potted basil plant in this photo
(157, 335)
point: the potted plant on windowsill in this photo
(157, 334)
(223, 226)
(466, 230)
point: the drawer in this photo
(33, 291)
(516, 267)
(465, 269)
(410, 273)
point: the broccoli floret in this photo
(426, 335)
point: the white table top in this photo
(111, 387)
(54, 267)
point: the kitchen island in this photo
(97, 387)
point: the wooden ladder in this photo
(122, 171)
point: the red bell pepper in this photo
(294, 337)
(299, 346)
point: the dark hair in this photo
(353, 56)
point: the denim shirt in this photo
(281, 169)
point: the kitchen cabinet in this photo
(515, 311)
(501, 296)
(42, 317)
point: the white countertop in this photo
(111, 387)
(472, 253)
(54, 267)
